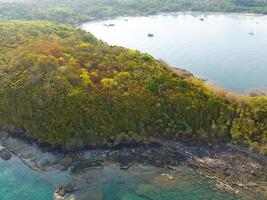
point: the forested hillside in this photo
(63, 86)
(77, 11)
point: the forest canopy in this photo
(63, 86)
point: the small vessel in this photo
(150, 35)
(109, 25)
(201, 19)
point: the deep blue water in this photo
(230, 50)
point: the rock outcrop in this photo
(65, 192)
(5, 154)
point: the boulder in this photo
(65, 191)
(5, 154)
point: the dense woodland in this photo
(63, 86)
(78, 11)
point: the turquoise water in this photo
(230, 50)
(18, 182)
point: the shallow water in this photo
(18, 182)
(185, 185)
(140, 182)
(230, 50)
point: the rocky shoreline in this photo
(229, 167)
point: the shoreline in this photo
(231, 168)
(245, 90)
(252, 14)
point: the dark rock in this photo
(82, 165)
(252, 173)
(126, 167)
(3, 133)
(62, 191)
(171, 167)
(5, 154)
(125, 159)
(227, 173)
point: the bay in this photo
(229, 50)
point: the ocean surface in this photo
(229, 50)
